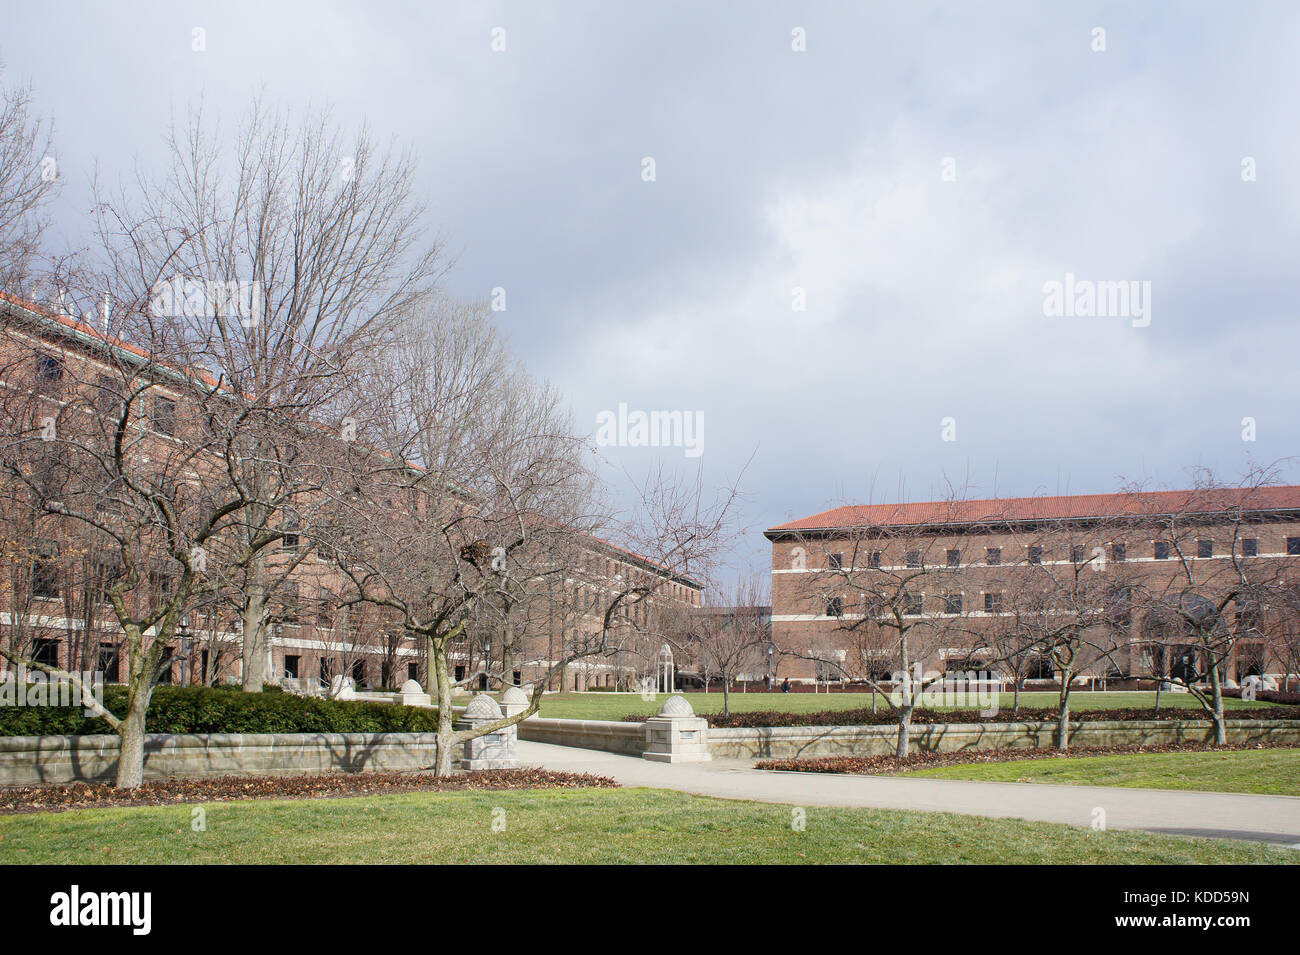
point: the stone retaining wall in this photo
(612, 736)
(793, 741)
(32, 760)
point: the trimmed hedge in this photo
(921, 717)
(201, 709)
(1267, 696)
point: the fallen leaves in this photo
(234, 788)
(883, 765)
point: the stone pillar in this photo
(514, 700)
(412, 695)
(493, 751)
(677, 735)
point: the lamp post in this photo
(183, 631)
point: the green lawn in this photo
(577, 826)
(1271, 771)
(613, 706)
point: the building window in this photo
(1118, 552)
(912, 604)
(104, 572)
(45, 651)
(110, 662)
(954, 557)
(1076, 554)
(873, 559)
(1035, 554)
(164, 416)
(289, 533)
(1293, 546)
(165, 667)
(359, 672)
(460, 673)
(993, 603)
(107, 402)
(413, 671)
(952, 603)
(49, 375)
(1205, 548)
(161, 582)
(1162, 550)
(835, 607)
(326, 671)
(993, 556)
(289, 599)
(45, 570)
(835, 561)
(1250, 547)
(913, 558)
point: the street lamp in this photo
(184, 633)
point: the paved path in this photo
(1225, 815)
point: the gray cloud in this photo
(819, 170)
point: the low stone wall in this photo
(610, 735)
(33, 760)
(794, 741)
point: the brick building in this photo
(1134, 567)
(52, 603)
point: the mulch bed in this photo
(923, 717)
(888, 765)
(161, 792)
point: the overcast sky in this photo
(919, 172)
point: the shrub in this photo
(1268, 696)
(200, 709)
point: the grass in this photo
(614, 706)
(1270, 771)
(577, 826)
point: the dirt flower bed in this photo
(230, 788)
(888, 765)
(1042, 714)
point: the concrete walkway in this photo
(1273, 819)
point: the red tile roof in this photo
(1071, 507)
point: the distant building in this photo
(1150, 554)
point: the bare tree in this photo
(28, 181)
(1217, 595)
(106, 451)
(287, 252)
(891, 585)
(728, 637)
(1069, 603)
(469, 494)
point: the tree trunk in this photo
(1063, 719)
(904, 731)
(446, 732)
(130, 758)
(726, 695)
(130, 733)
(255, 634)
(1015, 704)
(1216, 687)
